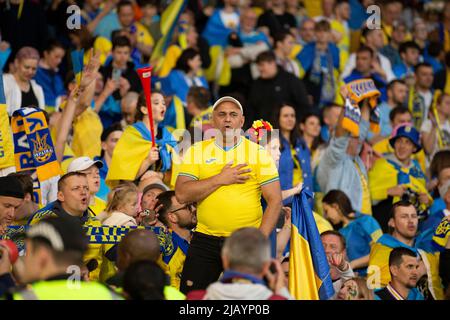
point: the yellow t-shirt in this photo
(234, 206)
(143, 36)
(203, 120)
(87, 130)
(175, 267)
(344, 43)
(98, 206)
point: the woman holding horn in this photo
(134, 153)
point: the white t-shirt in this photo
(445, 133)
(230, 20)
(427, 98)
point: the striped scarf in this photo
(358, 91)
(108, 235)
(33, 150)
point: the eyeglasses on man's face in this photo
(190, 206)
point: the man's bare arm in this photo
(272, 194)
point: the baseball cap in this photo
(63, 234)
(156, 185)
(10, 186)
(83, 163)
(228, 99)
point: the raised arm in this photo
(66, 123)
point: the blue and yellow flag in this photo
(169, 21)
(309, 272)
(77, 62)
(6, 140)
(132, 149)
(442, 234)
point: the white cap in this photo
(228, 99)
(83, 163)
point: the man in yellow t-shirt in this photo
(225, 176)
(180, 220)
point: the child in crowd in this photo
(122, 208)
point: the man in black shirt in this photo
(122, 70)
(274, 87)
(277, 19)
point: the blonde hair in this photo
(118, 195)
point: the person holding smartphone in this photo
(250, 273)
(119, 77)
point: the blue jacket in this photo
(52, 84)
(286, 166)
(359, 234)
(176, 84)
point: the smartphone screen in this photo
(116, 74)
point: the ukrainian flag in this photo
(77, 62)
(6, 142)
(169, 21)
(309, 272)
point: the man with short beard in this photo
(396, 92)
(181, 220)
(404, 222)
(11, 198)
(403, 267)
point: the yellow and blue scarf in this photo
(358, 91)
(416, 104)
(33, 147)
(107, 235)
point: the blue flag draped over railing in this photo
(309, 272)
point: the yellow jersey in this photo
(98, 206)
(94, 251)
(234, 206)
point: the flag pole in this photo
(145, 74)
